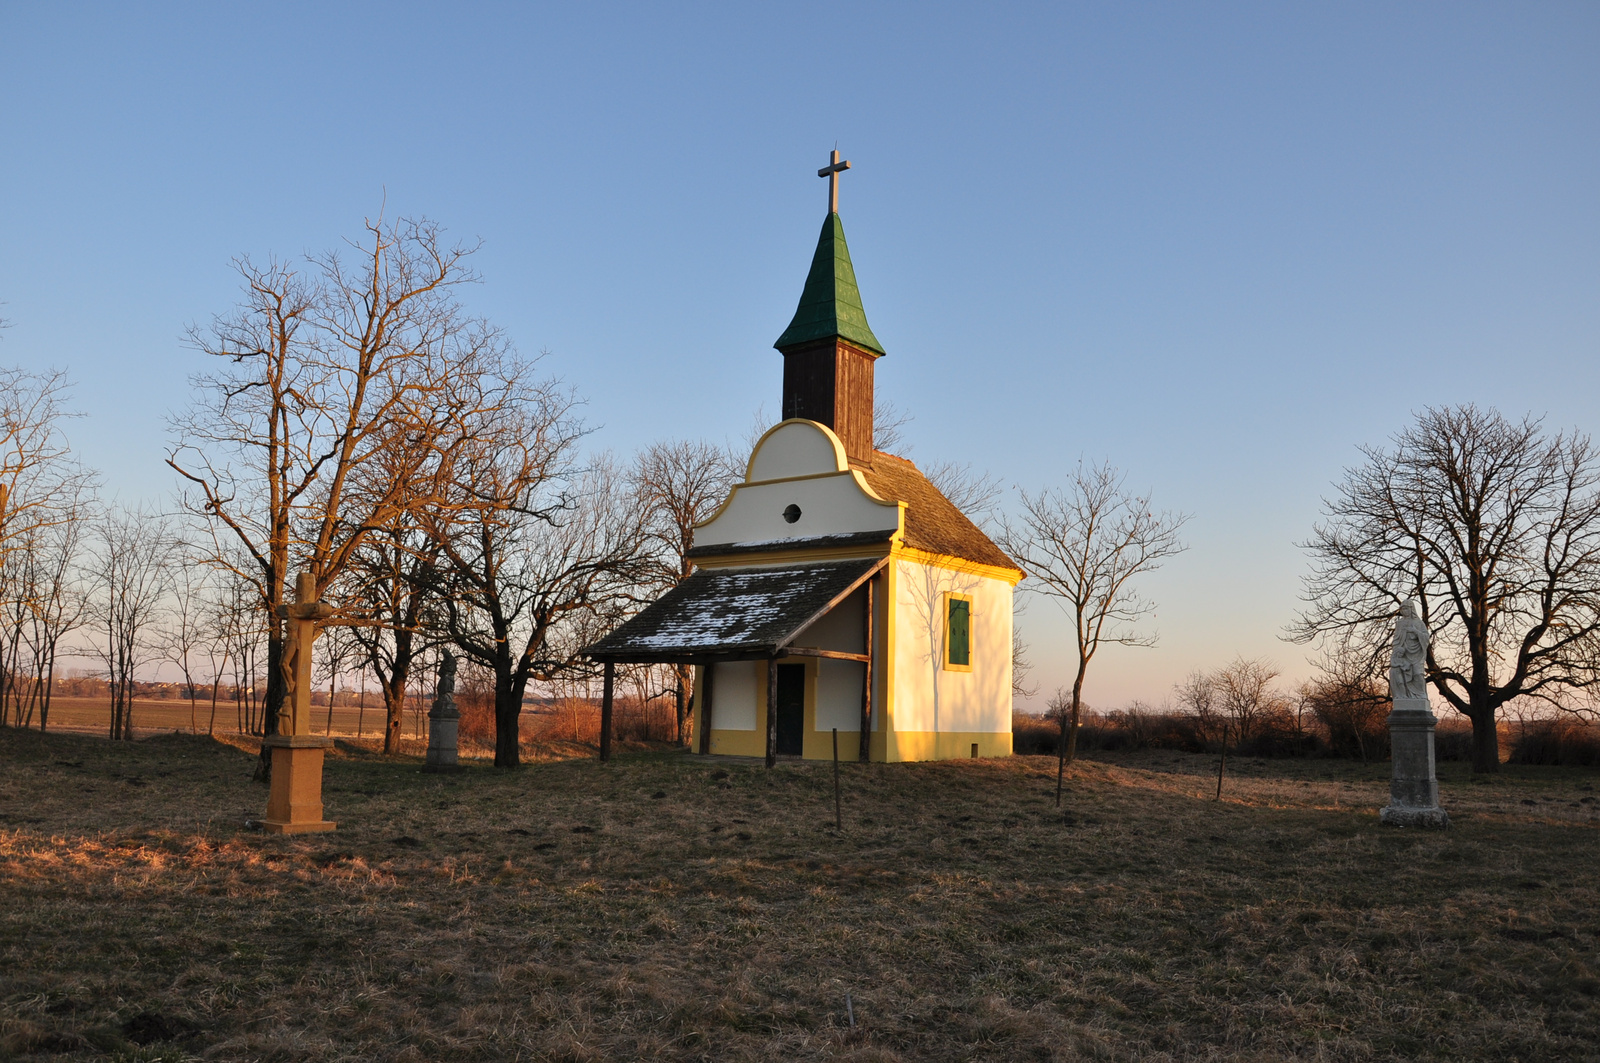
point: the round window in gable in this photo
(792, 513)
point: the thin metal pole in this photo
(605, 710)
(772, 712)
(838, 809)
(1223, 761)
(1061, 757)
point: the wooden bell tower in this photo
(829, 349)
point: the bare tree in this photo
(41, 484)
(1351, 705)
(1020, 667)
(544, 562)
(974, 493)
(1494, 528)
(1197, 694)
(42, 488)
(393, 580)
(185, 631)
(325, 422)
(1238, 696)
(1083, 544)
(679, 484)
(130, 574)
(41, 602)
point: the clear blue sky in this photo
(1219, 244)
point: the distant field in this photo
(93, 716)
(667, 907)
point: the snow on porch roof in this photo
(742, 612)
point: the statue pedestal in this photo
(1414, 786)
(294, 804)
(442, 752)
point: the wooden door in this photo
(791, 709)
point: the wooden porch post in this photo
(706, 672)
(772, 711)
(605, 711)
(866, 683)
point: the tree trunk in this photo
(274, 700)
(1485, 742)
(394, 690)
(49, 689)
(684, 679)
(394, 710)
(1071, 749)
(507, 721)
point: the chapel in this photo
(836, 589)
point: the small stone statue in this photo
(443, 721)
(1414, 786)
(1408, 661)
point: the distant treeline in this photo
(1552, 740)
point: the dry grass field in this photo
(664, 907)
(154, 716)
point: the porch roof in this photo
(734, 613)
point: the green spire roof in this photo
(831, 304)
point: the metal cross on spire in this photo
(832, 172)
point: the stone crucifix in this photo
(294, 804)
(832, 172)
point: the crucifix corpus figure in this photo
(294, 804)
(832, 172)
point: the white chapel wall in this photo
(796, 448)
(798, 463)
(840, 628)
(829, 505)
(839, 695)
(733, 696)
(928, 696)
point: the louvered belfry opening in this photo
(829, 349)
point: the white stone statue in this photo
(1413, 785)
(1408, 661)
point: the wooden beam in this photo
(605, 710)
(706, 672)
(772, 711)
(783, 646)
(866, 682)
(813, 651)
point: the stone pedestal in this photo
(442, 730)
(294, 804)
(444, 722)
(1414, 787)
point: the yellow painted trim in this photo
(838, 446)
(866, 489)
(907, 745)
(889, 664)
(833, 474)
(739, 743)
(944, 653)
(783, 557)
(949, 745)
(1012, 576)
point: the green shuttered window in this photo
(958, 633)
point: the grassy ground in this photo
(664, 907)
